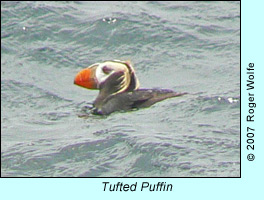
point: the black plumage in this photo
(109, 100)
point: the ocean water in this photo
(191, 47)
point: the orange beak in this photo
(86, 78)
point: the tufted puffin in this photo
(118, 87)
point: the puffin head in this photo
(97, 75)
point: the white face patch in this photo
(114, 66)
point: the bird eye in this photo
(106, 69)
